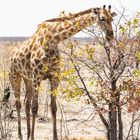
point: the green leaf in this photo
(70, 45)
(129, 23)
(46, 47)
(136, 72)
(3, 74)
(68, 72)
(122, 29)
(135, 21)
(138, 33)
(46, 69)
(137, 55)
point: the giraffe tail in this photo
(6, 95)
(5, 101)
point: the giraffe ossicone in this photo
(38, 58)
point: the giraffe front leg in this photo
(53, 106)
(27, 109)
(28, 85)
(34, 109)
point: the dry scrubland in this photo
(76, 118)
(72, 115)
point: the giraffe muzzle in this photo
(109, 35)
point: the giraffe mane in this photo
(70, 17)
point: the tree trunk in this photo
(108, 135)
(113, 122)
(113, 113)
(120, 135)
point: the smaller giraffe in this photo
(38, 58)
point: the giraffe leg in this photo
(53, 106)
(28, 85)
(15, 83)
(34, 108)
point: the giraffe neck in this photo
(64, 28)
(59, 29)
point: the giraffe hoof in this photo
(55, 138)
(20, 138)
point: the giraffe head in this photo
(104, 18)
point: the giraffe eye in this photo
(102, 19)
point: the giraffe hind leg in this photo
(16, 83)
(34, 107)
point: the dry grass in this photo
(76, 111)
(95, 138)
(44, 129)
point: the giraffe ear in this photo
(96, 11)
(113, 14)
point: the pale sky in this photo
(21, 17)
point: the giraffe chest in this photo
(49, 56)
(45, 63)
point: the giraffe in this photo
(37, 59)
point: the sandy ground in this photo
(74, 119)
(77, 120)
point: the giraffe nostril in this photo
(111, 32)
